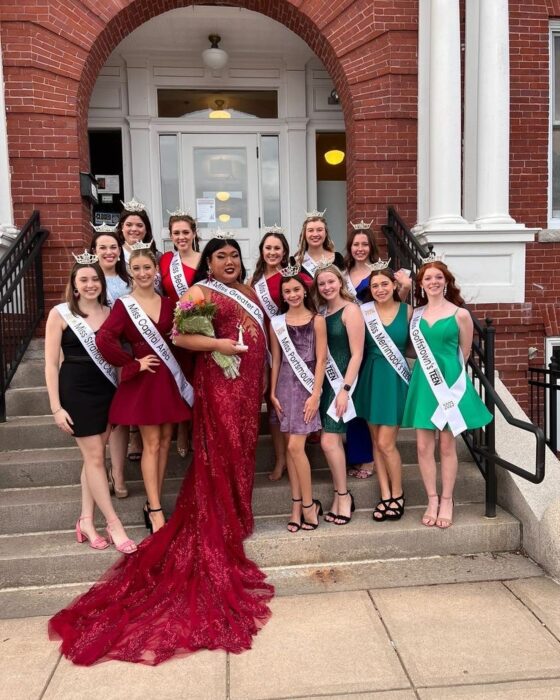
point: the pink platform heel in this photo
(126, 547)
(98, 543)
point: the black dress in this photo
(85, 392)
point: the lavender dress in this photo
(289, 390)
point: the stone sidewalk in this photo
(443, 642)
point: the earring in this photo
(209, 272)
(422, 293)
(76, 293)
(445, 291)
(304, 294)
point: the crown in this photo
(290, 270)
(432, 257)
(224, 235)
(274, 229)
(379, 265)
(180, 212)
(361, 225)
(85, 258)
(133, 206)
(323, 264)
(104, 228)
(315, 214)
(140, 245)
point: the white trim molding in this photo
(6, 207)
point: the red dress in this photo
(166, 281)
(142, 398)
(190, 586)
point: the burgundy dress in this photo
(142, 398)
(190, 586)
(166, 281)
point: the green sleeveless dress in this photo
(443, 338)
(339, 348)
(380, 395)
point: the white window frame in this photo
(553, 222)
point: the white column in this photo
(492, 190)
(423, 158)
(6, 211)
(445, 116)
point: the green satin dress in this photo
(339, 348)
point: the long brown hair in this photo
(72, 299)
(328, 243)
(260, 266)
(143, 215)
(120, 267)
(386, 272)
(307, 299)
(453, 293)
(188, 219)
(349, 261)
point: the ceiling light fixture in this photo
(334, 156)
(224, 218)
(219, 112)
(223, 196)
(215, 58)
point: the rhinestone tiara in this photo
(323, 264)
(290, 270)
(133, 206)
(140, 245)
(432, 257)
(315, 214)
(85, 258)
(224, 235)
(274, 229)
(361, 225)
(180, 212)
(104, 228)
(379, 265)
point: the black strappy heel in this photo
(146, 514)
(345, 519)
(292, 523)
(329, 515)
(319, 511)
(153, 510)
(396, 513)
(382, 513)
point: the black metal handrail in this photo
(22, 299)
(544, 392)
(406, 251)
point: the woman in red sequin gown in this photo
(190, 585)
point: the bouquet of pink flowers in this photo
(195, 317)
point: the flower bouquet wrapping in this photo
(195, 317)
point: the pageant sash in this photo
(299, 367)
(152, 336)
(447, 397)
(350, 286)
(177, 275)
(336, 380)
(261, 288)
(384, 341)
(86, 336)
(250, 307)
(309, 264)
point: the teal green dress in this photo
(339, 348)
(380, 395)
(443, 338)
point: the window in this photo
(220, 104)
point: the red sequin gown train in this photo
(190, 586)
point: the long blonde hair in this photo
(344, 293)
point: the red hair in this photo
(453, 293)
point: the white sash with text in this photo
(336, 380)
(153, 337)
(309, 264)
(177, 275)
(86, 336)
(261, 288)
(447, 397)
(384, 341)
(299, 367)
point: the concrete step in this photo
(30, 373)
(56, 507)
(27, 401)
(32, 601)
(56, 558)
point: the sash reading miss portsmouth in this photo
(447, 397)
(153, 337)
(299, 367)
(86, 336)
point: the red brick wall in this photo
(53, 51)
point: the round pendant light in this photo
(215, 58)
(334, 156)
(223, 196)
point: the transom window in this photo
(217, 104)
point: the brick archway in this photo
(53, 52)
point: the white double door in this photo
(220, 183)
